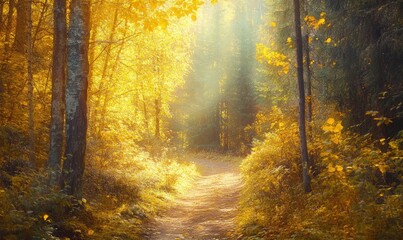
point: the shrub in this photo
(356, 189)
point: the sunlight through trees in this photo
(112, 109)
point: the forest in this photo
(192, 119)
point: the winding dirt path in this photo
(207, 211)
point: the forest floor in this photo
(207, 210)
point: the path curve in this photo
(207, 210)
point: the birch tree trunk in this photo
(300, 71)
(76, 97)
(58, 90)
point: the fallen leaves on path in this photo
(207, 210)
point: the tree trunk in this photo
(1, 15)
(76, 97)
(40, 22)
(308, 82)
(58, 90)
(102, 90)
(1, 77)
(311, 162)
(20, 39)
(300, 71)
(4, 60)
(307, 49)
(31, 126)
(111, 75)
(9, 25)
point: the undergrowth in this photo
(357, 191)
(118, 199)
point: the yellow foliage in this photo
(343, 202)
(273, 58)
(383, 121)
(328, 40)
(330, 168)
(320, 22)
(90, 232)
(311, 21)
(330, 121)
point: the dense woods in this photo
(104, 104)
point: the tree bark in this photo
(311, 162)
(20, 40)
(1, 15)
(9, 24)
(31, 126)
(307, 49)
(308, 81)
(76, 97)
(300, 72)
(4, 65)
(58, 90)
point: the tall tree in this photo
(20, 39)
(1, 15)
(29, 43)
(76, 97)
(300, 73)
(9, 25)
(58, 90)
(4, 66)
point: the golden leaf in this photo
(330, 168)
(310, 19)
(338, 128)
(372, 113)
(328, 40)
(335, 138)
(273, 24)
(324, 154)
(330, 121)
(45, 217)
(393, 145)
(339, 168)
(90, 232)
(383, 168)
(321, 21)
(327, 128)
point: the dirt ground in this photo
(207, 210)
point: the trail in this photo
(207, 210)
